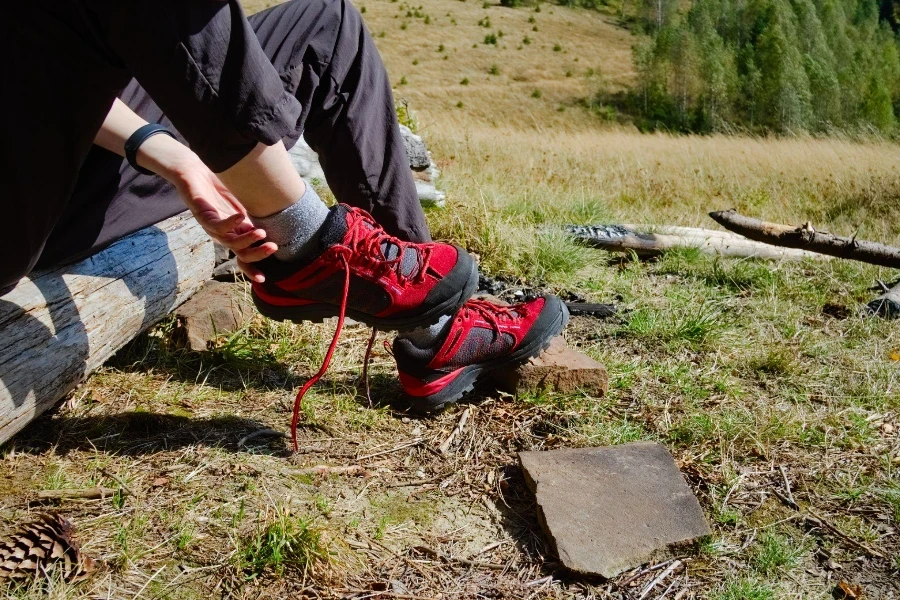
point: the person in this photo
(203, 103)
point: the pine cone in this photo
(40, 546)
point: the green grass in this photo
(743, 589)
(285, 544)
(773, 553)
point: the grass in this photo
(743, 589)
(286, 544)
(741, 368)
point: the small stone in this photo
(216, 309)
(415, 149)
(559, 369)
(228, 271)
(887, 428)
(608, 510)
(221, 253)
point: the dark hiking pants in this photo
(225, 82)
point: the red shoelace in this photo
(491, 312)
(365, 243)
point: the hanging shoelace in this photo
(365, 372)
(365, 242)
(298, 401)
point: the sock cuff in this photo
(295, 228)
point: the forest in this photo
(783, 66)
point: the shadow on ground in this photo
(140, 433)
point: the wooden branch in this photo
(83, 494)
(807, 238)
(628, 238)
(887, 305)
(57, 326)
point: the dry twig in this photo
(81, 494)
(444, 447)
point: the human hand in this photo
(222, 216)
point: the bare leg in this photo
(265, 180)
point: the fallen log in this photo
(887, 305)
(58, 325)
(649, 241)
(807, 238)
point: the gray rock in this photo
(429, 195)
(306, 161)
(415, 149)
(228, 271)
(222, 253)
(607, 510)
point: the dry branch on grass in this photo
(93, 493)
(652, 240)
(806, 237)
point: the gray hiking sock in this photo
(425, 337)
(295, 228)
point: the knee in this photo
(8, 282)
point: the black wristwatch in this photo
(139, 137)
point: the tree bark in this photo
(58, 325)
(627, 238)
(887, 305)
(807, 238)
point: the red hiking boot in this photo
(380, 280)
(480, 338)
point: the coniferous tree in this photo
(776, 65)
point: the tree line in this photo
(768, 65)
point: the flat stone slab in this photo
(559, 369)
(611, 509)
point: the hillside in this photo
(772, 389)
(592, 50)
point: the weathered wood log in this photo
(887, 305)
(639, 239)
(59, 325)
(807, 238)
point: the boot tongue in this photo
(409, 265)
(334, 228)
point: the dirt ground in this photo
(779, 400)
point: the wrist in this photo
(167, 157)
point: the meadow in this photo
(778, 397)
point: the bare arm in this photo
(262, 183)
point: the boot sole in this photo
(317, 313)
(465, 382)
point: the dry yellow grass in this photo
(630, 177)
(752, 373)
(508, 153)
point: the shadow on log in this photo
(887, 305)
(60, 324)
